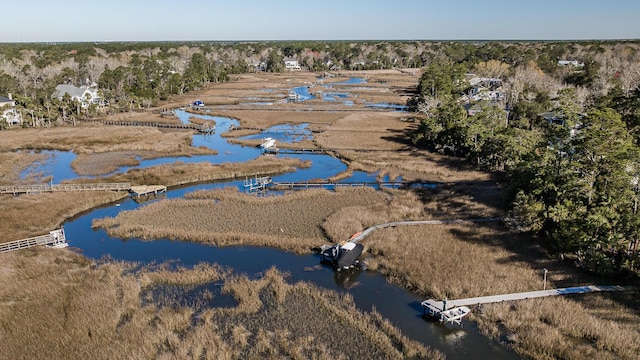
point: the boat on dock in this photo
(455, 315)
(452, 316)
(342, 256)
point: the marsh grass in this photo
(180, 173)
(312, 318)
(57, 304)
(228, 217)
(95, 138)
(13, 163)
(30, 215)
(96, 164)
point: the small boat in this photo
(268, 143)
(342, 256)
(454, 315)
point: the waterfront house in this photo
(291, 64)
(8, 111)
(86, 95)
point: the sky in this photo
(238, 20)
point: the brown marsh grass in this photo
(88, 138)
(103, 163)
(13, 163)
(58, 305)
(25, 216)
(302, 321)
(180, 173)
(317, 120)
(227, 217)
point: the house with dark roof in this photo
(8, 111)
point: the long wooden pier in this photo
(361, 235)
(54, 238)
(290, 130)
(41, 188)
(207, 127)
(437, 308)
(310, 151)
(267, 183)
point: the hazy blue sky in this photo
(142, 20)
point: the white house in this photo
(8, 111)
(291, 64)
(573, 63)
(86, 95)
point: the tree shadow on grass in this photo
(524, 249)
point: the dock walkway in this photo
(207, 127)
(54, 238)
(371, 229)
(519, 296)
(443, 309)
(41, 188)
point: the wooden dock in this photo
(361, 235)
(267, 183)
(207, 127)
(311, 151)
(147, 190)
(41, 188)
(54, 238)
(257, 184)
(436, 308)
(330, 185)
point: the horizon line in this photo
(314, 40)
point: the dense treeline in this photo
(566, 137)
(138, 74)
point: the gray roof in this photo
(4, 99)
(69, 89)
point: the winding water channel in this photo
(367, 288)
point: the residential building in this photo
(8, 111)
(292, 64)
(86, 95)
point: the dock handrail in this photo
(39, 188)
(53, 237)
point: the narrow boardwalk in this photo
(266, 182)
(40, 188)
(369, 230)
(207, 127)
(440, 305)
(54, 238)
(312, 151)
